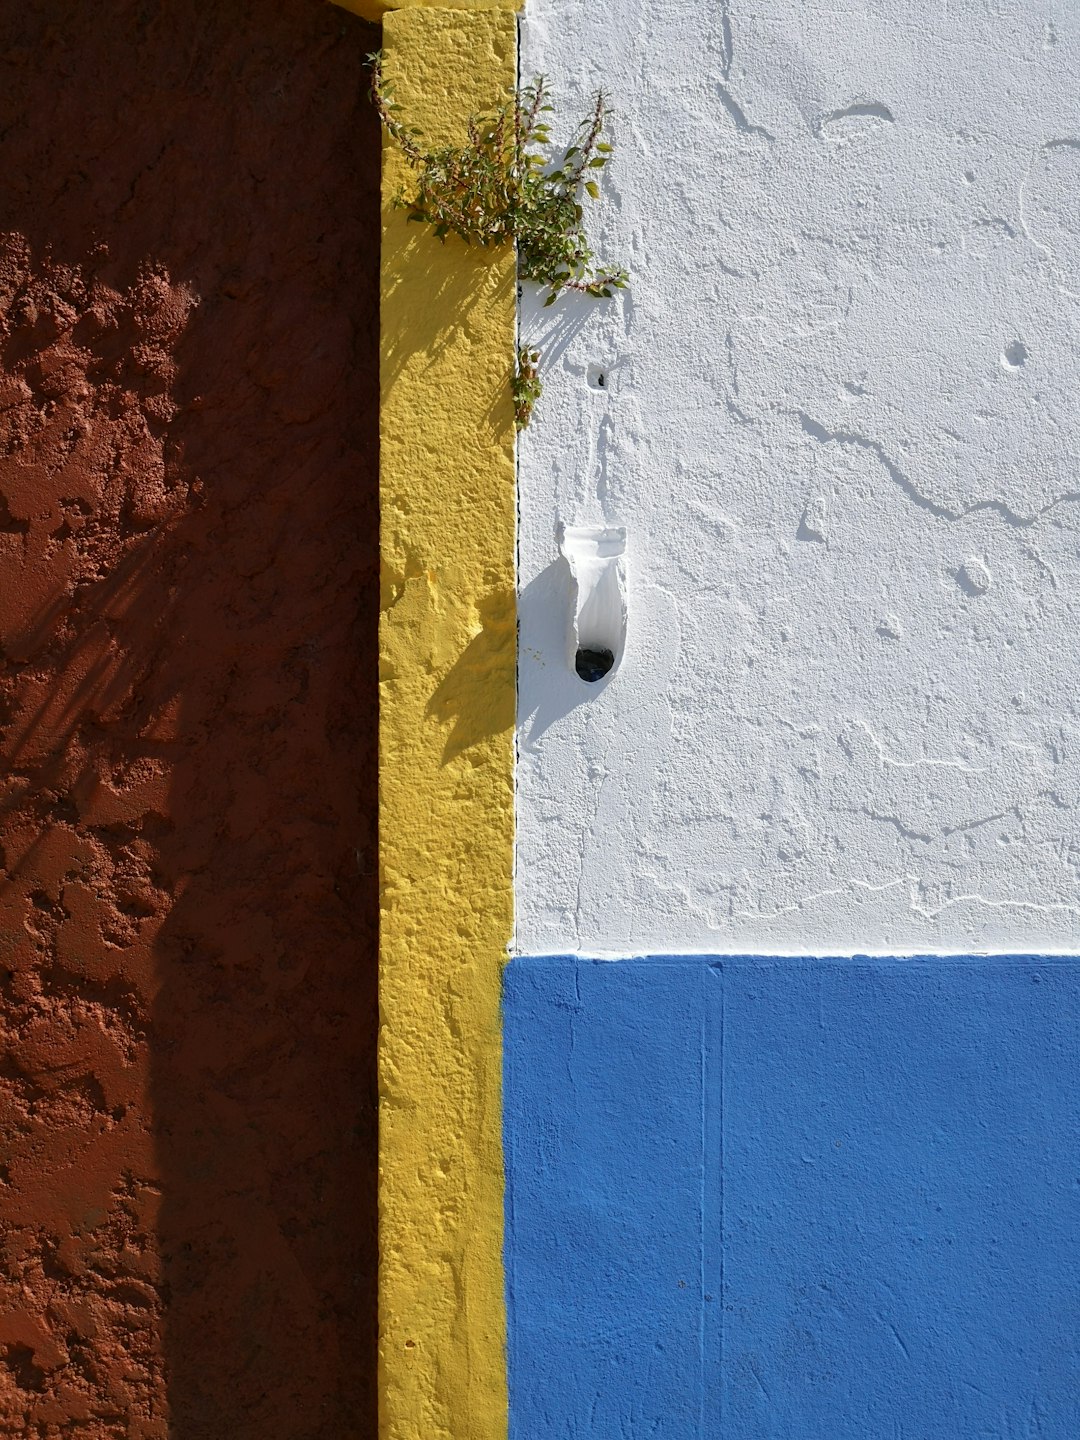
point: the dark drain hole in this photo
(593, 665)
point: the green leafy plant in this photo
(526, 384)
(504, 186)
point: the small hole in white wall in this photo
(1014, 356)
(598, 377)
(593, 665)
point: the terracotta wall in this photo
(188, 408)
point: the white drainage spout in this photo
(596, 556)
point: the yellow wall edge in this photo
(376, 9)
(447, 686)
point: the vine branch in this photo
(504, 186)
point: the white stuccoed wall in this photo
(842, 428)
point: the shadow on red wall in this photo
(188, 557)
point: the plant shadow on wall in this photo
(504, 186)
(472, 697)
(188, 606)
(425, 337)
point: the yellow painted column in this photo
(448, 642)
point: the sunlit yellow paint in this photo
(446, 761)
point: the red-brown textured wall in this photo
(188, 302)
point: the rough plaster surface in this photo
(446, 811)
(188, 303)
(840, 424)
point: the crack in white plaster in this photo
(920, 761)
(1046, 568)
(794, 906)
(727, 40)
(923, 836)
(985, 901)
(927, 912)
(929, 837)
(1067, 142)
(858, 110)
(739, 117)
(925, 502)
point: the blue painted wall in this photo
(760, 1199)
